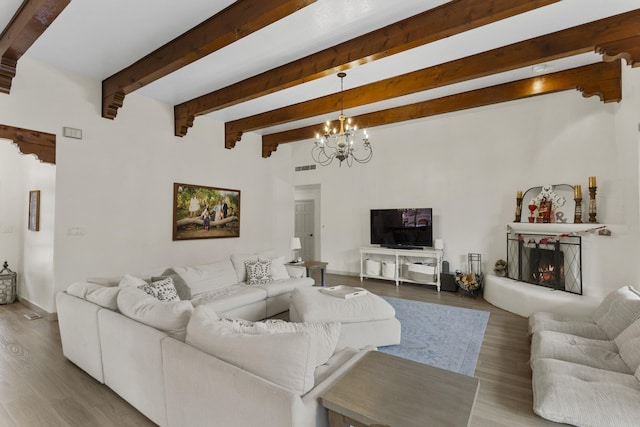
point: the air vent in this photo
(305, 168)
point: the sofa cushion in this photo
(170, 317)
(617, 311)
(628, 342)
(226, 299)
(238, 261)
(162, 289)
(208, 277)
(286, 359)
(258, 272)
(325, 334)
(182, 289)
(279, 287)
(601, 354)
(104, 296)
(580, 395)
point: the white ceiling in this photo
(97, 38)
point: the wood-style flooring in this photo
(39, 387)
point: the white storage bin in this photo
(422, 272)
(372, 267)
(389, 270)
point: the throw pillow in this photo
(278, 270)
(162, 290)
(286, 359)
(617, 311)
(170, 317)
(258, 272)
(184, 292)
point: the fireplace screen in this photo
(551, 262)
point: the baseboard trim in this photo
(52, 317)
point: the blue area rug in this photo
(439, 335)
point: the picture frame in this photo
(202, 212)
(33, 222)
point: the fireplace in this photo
(550, 261)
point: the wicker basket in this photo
(7, 285)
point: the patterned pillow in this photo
(258, 272)
(162, 290)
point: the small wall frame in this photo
(34, 210)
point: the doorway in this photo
(307, 216)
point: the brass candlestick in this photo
(577, 218)
(518, 209)
(592, 204)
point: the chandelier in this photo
(341, 145)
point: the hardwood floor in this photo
(39, 387)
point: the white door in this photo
(304, 226)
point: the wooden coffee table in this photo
(385, 390)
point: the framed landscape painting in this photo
(201, 212)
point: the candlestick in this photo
(592, 202)
(592, 181)
(577, 192)
(577, 217)
(518, 206)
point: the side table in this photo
(312, 265)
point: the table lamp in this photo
(295, 245)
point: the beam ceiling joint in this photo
(627, 49)
(603, 79)
(451, 18)
(29, 22)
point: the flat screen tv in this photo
(402, 228)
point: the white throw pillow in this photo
(170, 317)
(131, 280)
(238, 261)
(286, 359)
(278, 270)
(104, 296)
(258, 272)
(617, 311)
(162, 290)
(628, 342)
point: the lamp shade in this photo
(295, 243)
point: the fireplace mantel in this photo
(553, 228)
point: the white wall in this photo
(29, 253)
(117, 182)
(469, 165)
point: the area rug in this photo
(439, 335)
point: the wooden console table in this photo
(385, 390)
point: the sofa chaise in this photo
(184, 363)
(586, 371)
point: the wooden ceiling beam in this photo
(41, 144)
(580, 39)
(240, 19)
(451, 18)
(603, 79)
(29, 22)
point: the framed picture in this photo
(201, 212)
(34, 210)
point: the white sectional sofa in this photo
(586, 370)
(163, 359)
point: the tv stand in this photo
(402, 259)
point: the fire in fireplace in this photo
(547, 267)
(540, 260)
